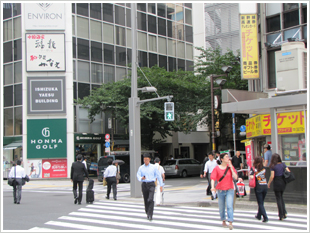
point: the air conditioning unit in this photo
(291, 66)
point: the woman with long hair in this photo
(277, 168)
(259, 174)
(224, 174)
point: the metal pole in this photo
(134, 114)
(212, 114)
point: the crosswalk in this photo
(121, 215)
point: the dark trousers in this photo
(280, 203)
(148, 189)
(260, 197)
(75, 184)
(111, 181)
(17, 190)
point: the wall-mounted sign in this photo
(54, 168)
(44, 16)
(46, 138)
(46, 95)
(45, 52)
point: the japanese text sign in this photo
(45, 52)
(287, 123)
(54, 168)
(249, 47)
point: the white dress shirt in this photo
(110, 171)
(20, 172)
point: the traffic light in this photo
(169, 111)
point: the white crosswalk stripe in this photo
(118, 216)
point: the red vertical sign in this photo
(248, 152)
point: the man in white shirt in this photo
(18, 173)
(161, 170)
(110, 176)
(210, 165)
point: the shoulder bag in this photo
(288, 176)
(11, 181)
(24, 179)
(252, 182)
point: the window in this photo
(304, 15)
(109, 74)
(7, 30)
(180, 31)
(128, 17)
(188, 16)
(189, 5)
(142, 57)
(8, 96)
(161, 26)
(163, 61)
(181, 64)
(107, 12)
(95, 10)
(151, 8)
(189, 66)
(290, 6)
(17, 72)
(141, 7)
(73, 25)
(128, 38)
(120, 56)
(8, 121)
(96, 73)
(96, 51)
(152, 24)
(170, 10)
(8, 74)
(189, 33)
(83, 71)
(18, 100)
(129, 56)
(189, 51)
(82, 9)
(291, 18)
(74, 47)
(271, 69)
(141, 21)
(120, 36)
(152, 59)
(292, 33)
(95, 30)
(142, 41)
(108, 33)
(152, 43)
(172, 63)
(17, 50)
(120, 15)
(83, 49)
(18, 119)
(161, 9)
(171, 47)
(162, 45)
(170, 28)
(7, 52)
(120, 73)
(273, 24)
(17, 27)
(108, 53)
(82, 27)
(7, 10)
(181, 49)
(83, 90)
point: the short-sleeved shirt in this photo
(260, 176)
(227, 182)
(267, 156)
(236, 162)
(210, 165)
(278, 169)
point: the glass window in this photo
(74, 70)
(94, 87)
(180, 31)
(96, 73)
(83, 49)
(188, 16)
(128, 17)
(292, 33)
(129, 56)
(290, 6)
(172, 63)
(291, 19)
(96, 51)
(142, 41)
(271, 69)
(120, 56)
(141, 21)
(189, 5)
(161, 26)
(189, 66)
(8, 74)
(189, 33)
(189, 51)
(108, 33)
(152, 24)
(141, 7)
(161, 9)
(8, 121)
(74, 90)
(82, 9)
(171, 47)
(96, 126)
(83, 90)
(181, 64)
(18, 119)
(304, 15)
(73, 7)
(120, 15)
(82, 27)
(142, 57)
(273, 24)
(95, 10)
(152, 43)
(74, 46)
(152, 59)
(162, 45)
(107, 12)
(305, 31)
(163, 61)
(17, 49)
(170, 27)
(7, 10)
(179, 16)
(95, 30)
(83, 71)
(120, 36)
(8, 96)
(7, 52)
(16, 9)
(7, 30)
(273, 8)
(129, 38)
(18, 100)
(17, 72)
(120, 73)
(274, 38)
(181, 50)
(73, 25)
(151, 8)
(109, 74)
(108, 53)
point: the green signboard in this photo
(47, 138)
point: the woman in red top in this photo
(225, 188)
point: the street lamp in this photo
(220, 82)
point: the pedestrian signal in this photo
(169, 111)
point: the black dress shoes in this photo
(79, 203)
(149, 217)
(107, 198)
(257, 217)
(17, 202)
(75, 200)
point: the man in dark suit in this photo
(77, 177)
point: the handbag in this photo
(104, 182)
(288, 176)
(118, 176)
(12, 181)
(24, 179)
(252, 182)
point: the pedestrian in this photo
(237, 163)
(158, 196)
(276, 174)
(118, 172)
(203, 165)
(84, 162)
(258, 171)
(209, 166)
(267, 155)
(110, 176)
(77, 177)
(17, 172)
(147, 174)
(224, 174)
(170, 157)
(217, 155)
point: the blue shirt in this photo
(267, 156)
(110, 171)
(150, 172)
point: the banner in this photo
(248, 153)
(54, 168)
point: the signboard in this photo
(287, 123)
(248, 153)
(46, 138)
(54, 168)
(34, 168)
(46, 95)
(45, 52)
(44, 16)
(249, 47)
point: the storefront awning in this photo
(13, 145)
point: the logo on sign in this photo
(45, 132)
(44, 6)
(46, 143)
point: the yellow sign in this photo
(287, 123)
(249, 47)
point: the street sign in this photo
(169, 111)
(107, 144)
(242, 128)
(107, 136)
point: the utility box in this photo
(291, 66)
